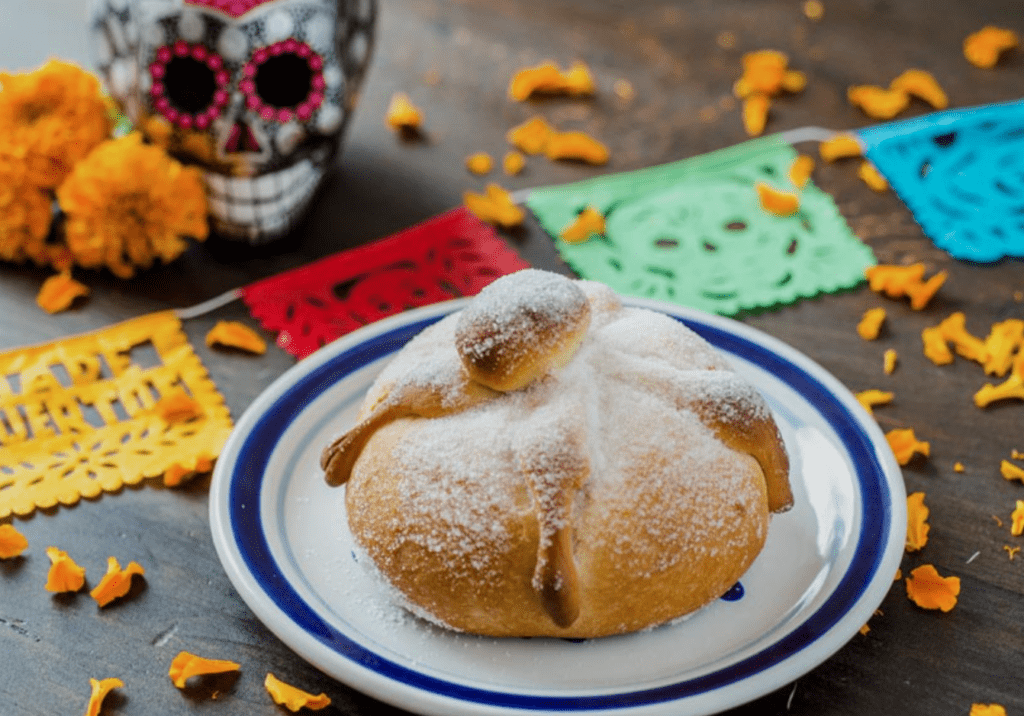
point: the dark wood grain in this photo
(912, 662)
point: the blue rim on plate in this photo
(242, 483)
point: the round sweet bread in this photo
(548, 462)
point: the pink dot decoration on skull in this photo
(234, 8)
(275, 92)
(189, 84)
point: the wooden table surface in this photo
(913, 662)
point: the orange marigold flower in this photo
(917, 524)
(1004, 338)
(576, 145)
(588, 222)
(26, 210)
(128, 204)
(870, 175)
(800, 170)
(293, 698)
(531, 137)
(935, 347)
(1010, 471)
(1017, 527)
(12, 542)
(479, 163)
(870, 324)
(905, 445)
(870, 398)
(186, 665)
(922, 85)
(177, 406)
(64, 574)
(889, 360)
(878, 102)
(234, 334)
(495, 206)
(987, 710)
(100, 689)
(840, 146)
(116, 582)
(755, 113)
(982, 48)
(513, 163)
(780, 203)
(55, 115)
(928, 590)
(546, 78)
(402, 114)
(59, 291)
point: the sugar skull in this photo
(256, 92)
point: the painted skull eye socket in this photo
(284, 81)
(189, 85)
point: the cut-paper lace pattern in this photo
(77, 415)
(694, 233)
(446, 257)
(961, 173)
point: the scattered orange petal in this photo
(178, 406)
(864, 630)
(293, 698)
(12, 542)
(794, 81)
(800, 170)
(587, 223)
(59, 291)
(1004, 338)
(64, 574)
(531, 137)
(764, 71)
(234, 334)
(780, 203)
(935, 347)
(755, 113)
(958, 467)
(495, 206)
(982, 48)
(186, 665)
(116, 582)
(1012, 387)
(987, 710)
(870, 324)
(917, 524)
(922, 85)
(893, 280)
(905, 445)
(840, 146)
(999, 522)
(954, 330)
(870, 175)
(546, 78)
(100, 689)
(870, 398)
(479, 163)
(576, 145)
(513, 163)
(922, 292)
(878, 102)
(403, 114)
(1017, 527)
(1010, 471)
(898, 576)
(1016, 454)
(928, 590)
(1011, 551)
(889, 360)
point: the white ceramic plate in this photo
(281, 535)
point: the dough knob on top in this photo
(520, 327)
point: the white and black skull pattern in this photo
(257, 93)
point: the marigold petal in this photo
(543, 77)
(870, 324)
(954, 330)
(870, 398)
(800, 170)
(922, 292)
(780, 203)
(794, 81)
(928, 590)
(982, 48)
(12, 542)
(116, 582)
(59, 291)
(531, 137)
(64, 574)
(513, 163)
(479, 163)
(1003, 340)
(100, 689)
(402, 114)
(923, 85)
(987, 710)
(935, 347)
(1010, 471)
(177, 406)
(186, 665)
(905, 445)
(576, 145)
(234, 334)
(893, 280)
(1017, 527)
(588, 222)
(755, 113)
(293, 698)
(889, 360)
(870, 175)
(878, 102)
(917, 524)
(840, 146)
(495, 206)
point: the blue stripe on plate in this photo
(246, 483)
